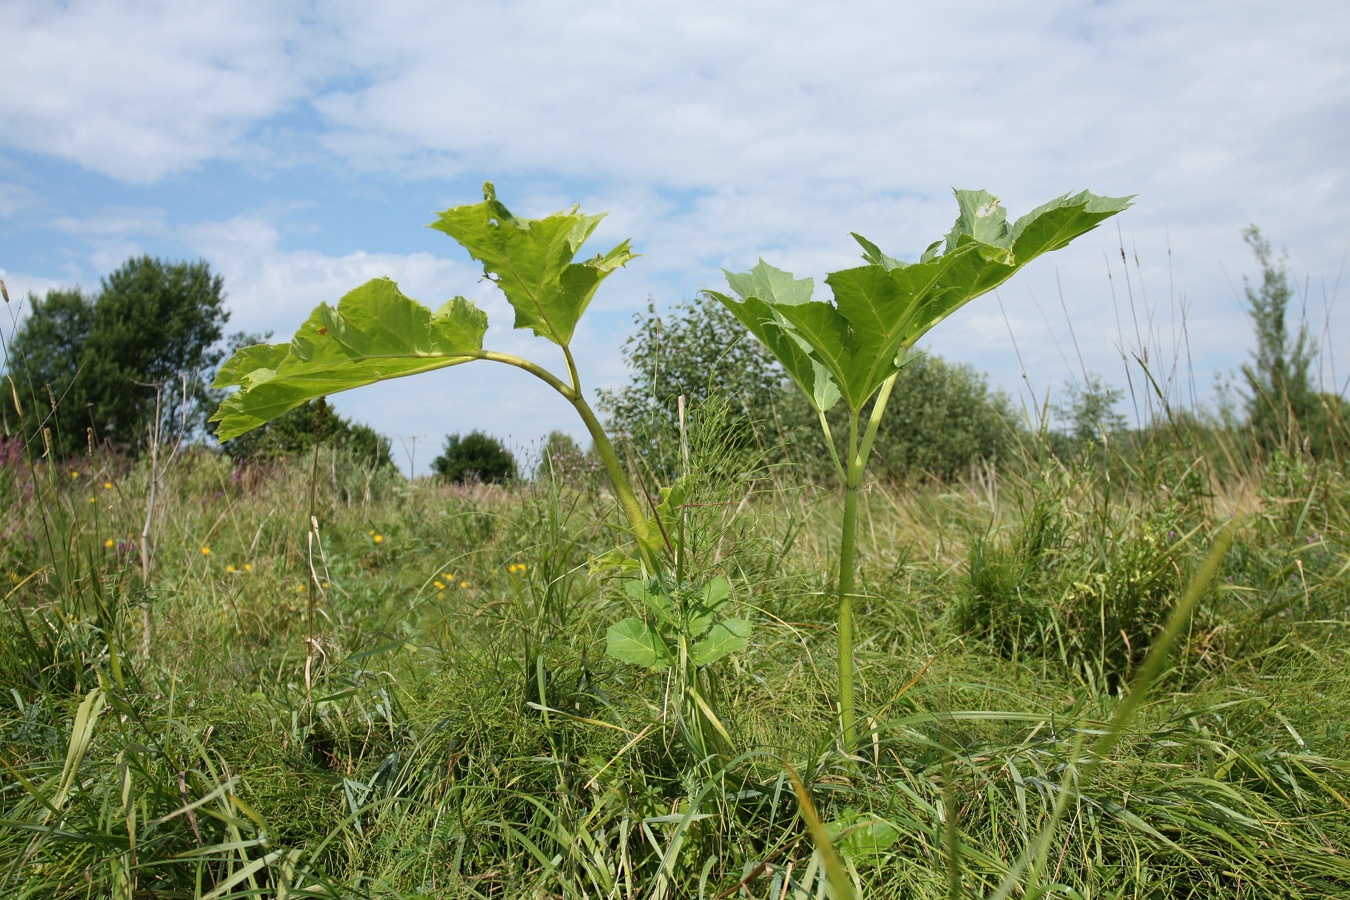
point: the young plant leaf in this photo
(650, 595)
(632, 641)
(531, 261)
(760, 316)
(713, 597)
(726, 637)
(882, 309)
(375, 333)
(855, 345)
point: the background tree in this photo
(46, 352)
(152, 328)
(1279, 377)
(474, 457)
(699, 351)
(297, 432)
(1087, 415)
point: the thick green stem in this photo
(852, 486)
(617, 476)
(622, 487)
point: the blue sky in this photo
(300, 148)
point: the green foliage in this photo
(854, 348)
(848, 349)
(942, 418)
(697, 351)
(152, 324)
(424, 753)
(377, 333)
(298, 430)
(475, 457)
(1088, 592)
(680, 627)
(1279, 377)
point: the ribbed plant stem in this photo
(852, 486)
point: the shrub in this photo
(298, 430)
(474, 457)
(698, 351)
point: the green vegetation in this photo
(420, 752)
(298, 430)
(104, 369)
(854, 348)
(474, 457)
(1100, 668)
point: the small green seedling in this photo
(851, 350)
(681, 630)
(377, 333)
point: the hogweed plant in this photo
(851, 350)
(377, 333)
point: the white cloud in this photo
(139, 90)
(718, 133)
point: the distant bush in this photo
(300, 429)
(475, 457)
(942, 419)
(698, 350)
(1083, 589)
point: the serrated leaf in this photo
(982, 218)
(882, 309)
(772, 285)
(726, 637)
(613, 559)
(648, 592)
(632, 641)
(251, 365)
(375, 333)
(531, 260)
(711, 598)
(872, 253)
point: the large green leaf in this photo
(703, 610)
(375, 333)
(882, 309)
(632, 641)
(531, 261)
(763, 291)
(726, 637)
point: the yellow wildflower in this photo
(440, 586)
(206, 551)
(229, 569)
(463, 584)
(379, 539)
(107, 485)
(248, 567)
(109, 544)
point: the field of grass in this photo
(357, 685)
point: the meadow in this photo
(361, 685)
(710, 657)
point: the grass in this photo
(417, 702)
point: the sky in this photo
(300, 148)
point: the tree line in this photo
(135, 359)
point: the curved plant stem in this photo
(623, 488)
